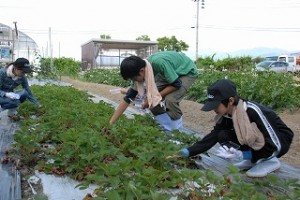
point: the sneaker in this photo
(263, 168)
(14, 118)
(244, 164)
(11, 112)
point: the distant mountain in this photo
(261, 51)
(255, 52)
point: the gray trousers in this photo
(173, 99)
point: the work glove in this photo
(184, 153)
(229, 153)
(12, 95)
(163, 104)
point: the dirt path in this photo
(200, 121)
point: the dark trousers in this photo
(7, 103)
(173, 99)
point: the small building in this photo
(98, 53)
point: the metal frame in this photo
(20, 44)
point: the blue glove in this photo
(184, 153)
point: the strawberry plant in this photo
(106, 76)
(261, 87)
(71, 136)
(58, 67)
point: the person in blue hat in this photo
(248, 132)
(11, 77)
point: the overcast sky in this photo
(224, 25)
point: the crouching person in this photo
(11, 77)
(261, 135)
(162, 80)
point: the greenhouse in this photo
(15, 44)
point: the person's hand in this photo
(145, 104)
(12, 95)
(229, 153)
(183, 153)
(124, 90)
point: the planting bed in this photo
(207, 162)
(200, 121)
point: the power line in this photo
(205, 26)
(241, 28)
(35, 31)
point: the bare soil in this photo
(200, 121)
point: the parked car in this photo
(276, 66)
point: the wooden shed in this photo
(98, 53)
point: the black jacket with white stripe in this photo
(278, 137)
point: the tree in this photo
(103, 36)
(171, 44)
(143, 38)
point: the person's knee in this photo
(176, 96)
(157, 110)
(11, 105)
(173, 109)
(23, 95)
(174, 115)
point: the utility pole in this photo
(197, 25)
(50, 43)
(197, 30)
(50, 50)
(15, 36)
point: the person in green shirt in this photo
(173, 73)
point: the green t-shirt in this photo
(171, 65)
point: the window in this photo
(291, 59)
(5, 52)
